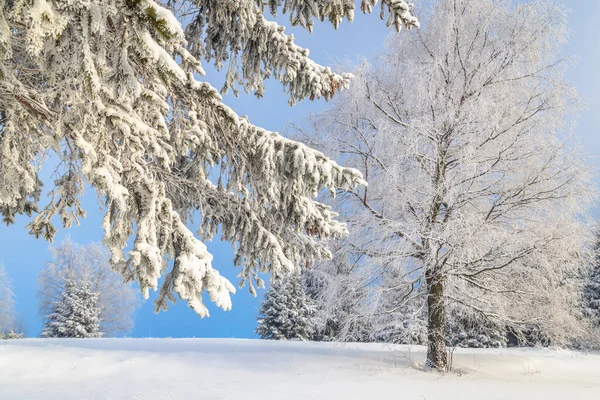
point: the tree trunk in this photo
(437, 357)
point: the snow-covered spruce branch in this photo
(109, 89)
(236, 31)
(259, 234)
(302, 12)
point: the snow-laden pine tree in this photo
(397, 319)
(591, 294)
(404, 325)
(7, 301)
(474, 331)
(341, 298)
(11, 334)
(408, 325)
(117, 300)
(111, 88)
(475, 192)
(591, 299)
(402, 321)
(76, 315)
(286, 312)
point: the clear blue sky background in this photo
(24, 256)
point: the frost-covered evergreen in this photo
(287, 311)
(11, 335)
(474, 332)
(591, 295)
(341, 295)
(111, 89)
(403, 323)
(477, 337)
(117, 300)
(76, 315)
(534, 335)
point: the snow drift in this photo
(270, 370)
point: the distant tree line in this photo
(300, 307)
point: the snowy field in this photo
(251, 369)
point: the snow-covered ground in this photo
(252, 369)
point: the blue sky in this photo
(24, 256)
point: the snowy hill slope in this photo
(251, 369)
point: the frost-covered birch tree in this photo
(89, 264)
(113, 89)
(476, 192)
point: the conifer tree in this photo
(591, 295)
(11, 334)
(474, 332)
(403, 322)
(110, 88)
(76, 315)
(287, 311)
(340, 297)
(117, 300)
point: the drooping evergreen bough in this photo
(76, 315)
(287, 311)
(109, 87)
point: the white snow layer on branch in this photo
(259, 49)
(108, 86)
